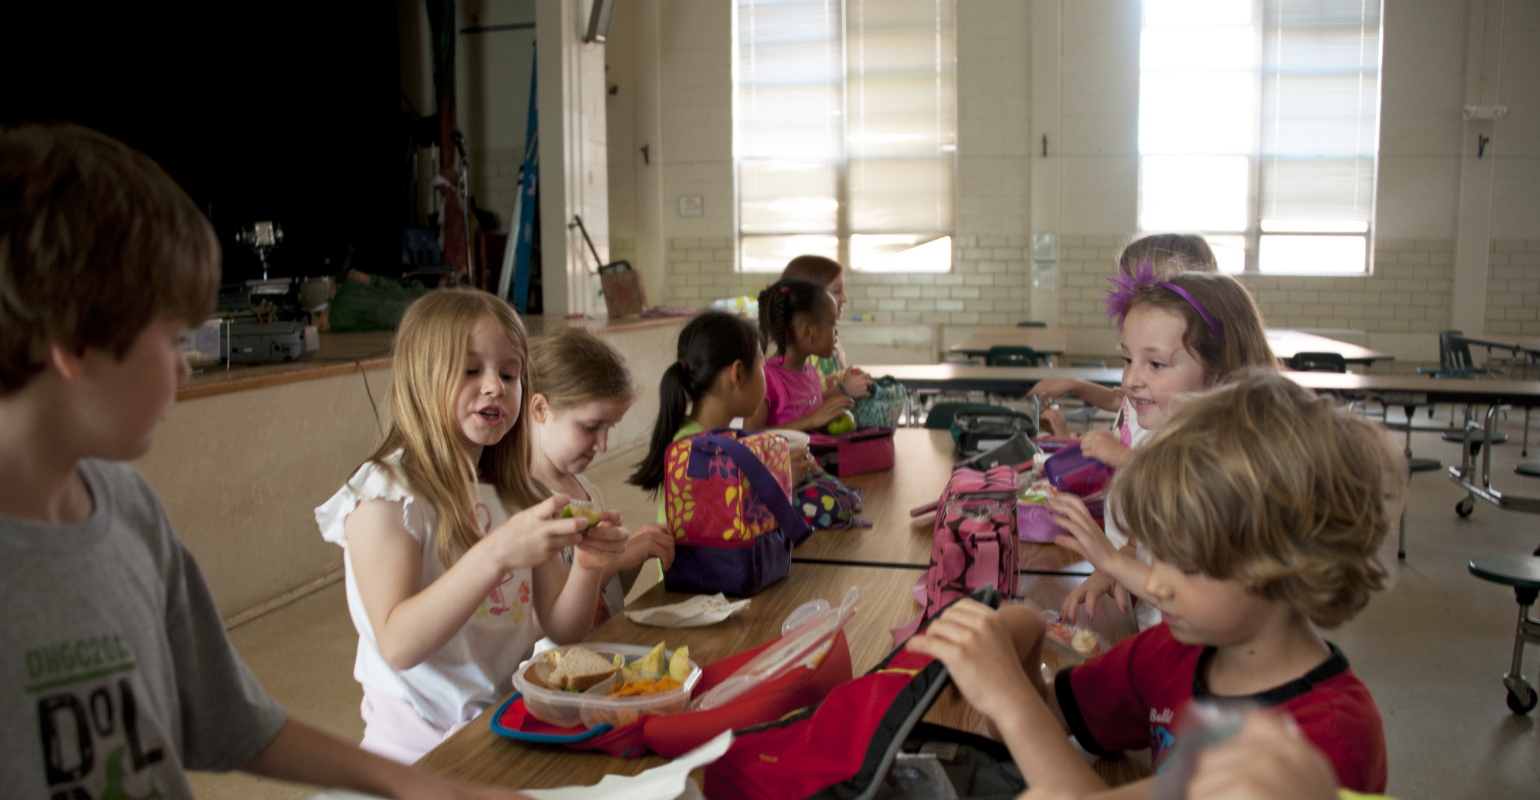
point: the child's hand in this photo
(532, 536)
(973, 643)
(1052, 388)
(1098, 584)
(857, 383)
(1267, 761)
(1053, 421)
(601, 548)
(802, 462)
(832, 406)
(652, 540)
(1087, 538)
(1106, 448)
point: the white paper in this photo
(696, 612)
(668, 782)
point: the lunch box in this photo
(595, 705)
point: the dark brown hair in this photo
(1263, 483)
(96, 242)
(818, 269)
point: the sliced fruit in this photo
(619, 660)
(652, 663)
(573, 511)
(679, 665)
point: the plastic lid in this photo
(791, 649)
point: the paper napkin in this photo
(696, 612)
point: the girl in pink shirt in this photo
(799, 317)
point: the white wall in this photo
(1085, 53)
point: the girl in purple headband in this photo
(1181, 334)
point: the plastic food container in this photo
(596, 706)
(1074, 471)
(1062, 635)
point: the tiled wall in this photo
(1513, 287)
(986, 284)
(1409, 291)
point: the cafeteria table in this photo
(923, 462)
(1046, 341)
(1286, 342)
(476, 754)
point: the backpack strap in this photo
(793, 524)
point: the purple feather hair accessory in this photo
(1127, 286)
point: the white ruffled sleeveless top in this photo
(475, 667)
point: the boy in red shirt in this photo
(1263, 506)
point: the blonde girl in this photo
(1180, 335)
(581, 388)
(449, 582)
(1167, 254)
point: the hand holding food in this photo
(844, 423)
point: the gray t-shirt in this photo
(115, 671)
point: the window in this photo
(845, 135)
(1259, 127)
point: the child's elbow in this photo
(399, 657)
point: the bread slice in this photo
(577, 669)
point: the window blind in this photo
(845, 135)
(1260, 119)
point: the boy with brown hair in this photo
(1263, 507)
(115, 671)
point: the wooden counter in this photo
(343, 353)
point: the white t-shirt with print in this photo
(475, 667)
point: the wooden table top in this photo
(922, 465)
(1046, 341)
(477, 754)
(972, 378)
(1286, 342)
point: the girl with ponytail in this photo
(719, 376)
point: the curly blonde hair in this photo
(1262, 482)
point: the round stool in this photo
(1523, 574)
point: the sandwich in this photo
(574, 670)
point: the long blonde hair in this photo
(430, 357)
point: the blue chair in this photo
(1454, 358)
(1523, 574)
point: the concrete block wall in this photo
(987, 283)
(1513, 287)
(1093, 152)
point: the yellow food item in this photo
(679, 665)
